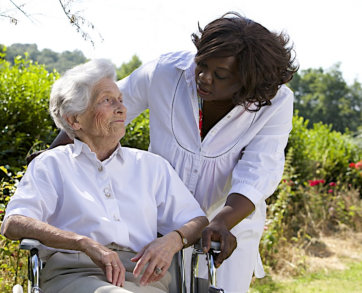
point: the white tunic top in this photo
(243, 153)
(125, 199)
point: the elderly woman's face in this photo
(106, 114)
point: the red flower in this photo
(352, 165)
(321, 181)
(313, 182)
(332, 184)
(330, 190)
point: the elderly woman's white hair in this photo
(72, 93)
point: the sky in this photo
(324, 32)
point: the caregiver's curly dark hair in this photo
(264, 59)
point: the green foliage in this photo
(322, 153)
(319, 193)
(137, 132)
(13, 266)
(325, 97)
(127, 68)
(24, 119)
(52, 60)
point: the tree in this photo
(52, 60)
(16, 10)
(127, 68)
(325, 97)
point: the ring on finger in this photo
(158, 270)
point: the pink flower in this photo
(332, 184)
(358, 165)
(321, 181)
(330, 190)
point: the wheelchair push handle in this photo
(215, 246)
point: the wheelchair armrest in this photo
(29, 244)
(35, 264)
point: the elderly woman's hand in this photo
(219, 233)
(107, 260)
(158, 255)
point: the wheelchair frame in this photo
(177, 269)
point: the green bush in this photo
(322, 153)
(13, 265)
(138, 132)
(24, 118)
(319, 192)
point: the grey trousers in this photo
(76, 273)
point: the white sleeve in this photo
(259, 171)
(135, 89)
(36, 195)
(176, 205)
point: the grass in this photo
(348, 280)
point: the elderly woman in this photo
(97, 204)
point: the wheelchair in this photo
(177, 269)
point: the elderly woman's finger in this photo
(122, 275)
(138, 255)
(151, 269)
(140, 265)
(109, 270)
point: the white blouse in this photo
(125, 199)
(243, 153)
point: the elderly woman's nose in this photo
(120, 107)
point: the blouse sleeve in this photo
(36, 195)
(135, 89)
(259, 171)
(175, 204)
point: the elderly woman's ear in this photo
(73, 122)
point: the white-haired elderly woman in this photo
(97, 204)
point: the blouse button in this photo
(107, 192)
(195, 171)
(116, 218)
(100, 168)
